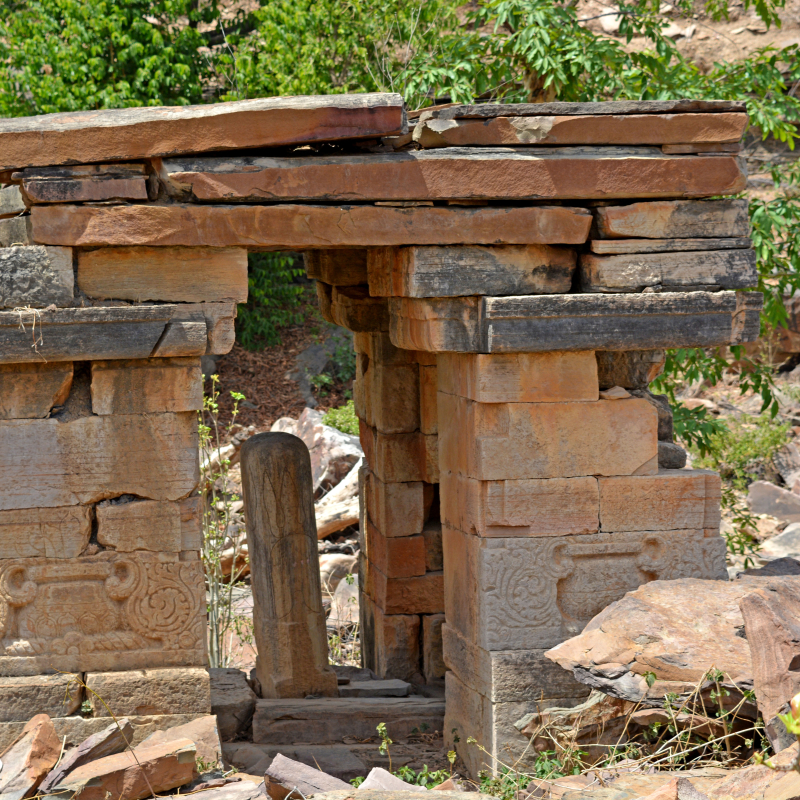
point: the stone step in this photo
(392, 687)
(328, 720)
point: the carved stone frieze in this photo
(536, 592)
(106, 612)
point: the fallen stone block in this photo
(284, 776)
(764, 497)
(382, 779)
(113, 739)
(327, 720)
(784, 546)
(158, 768)
(28, 760)
(232, 701)
(147, 386)
(30, 391)
(145, 692)
(202, 731)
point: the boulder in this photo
(344, 605)
(671, 456)
(677, 630)
(764, 497)
(772, 627)
(787, 462)
(333, 453)
(232, 700)
(783, 545)
(333, 567)
(29, 759)
(202, 732)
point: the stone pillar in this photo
(289, 623)
(400, 569)
(553, 507)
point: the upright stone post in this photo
(289, 623)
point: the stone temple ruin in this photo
(512, 274)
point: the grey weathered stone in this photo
(671, 456)
(784, 545)
(55, 695)
(36, 276)
(764, 497)
(11, 201)
(15, 231)
(232, 700)
(631, 369)
(391, 687)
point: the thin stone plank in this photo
(613, 246)
(129, 133)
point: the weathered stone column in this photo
(289, 623)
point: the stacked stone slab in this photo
(528, 263)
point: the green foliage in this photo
(343, 418)
(738, 448)
(273, 301)
(424, 777)
(68, 55)
(333, 46)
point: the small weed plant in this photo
(220, 537)
(343, 418)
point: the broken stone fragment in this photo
(284, 775)
(232, 701)
(29, 759)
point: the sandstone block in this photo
(140, 525)
(391, 396)
(519, 377)
(390, 642)
(29, 759)
(401, 457)
(77, 729)
(428, 411)
(191, 523)
(549, 507)
(15, 231)
(610, 129)
(145, 692)
(523, 593)
(612, 246)
(305, 227)
(433, 665)
(11, 201)
(66, 190)
(328, 719)
(398, 509)
(30, 391)
(54, 695)
(46, 463)
(147, 386)
(324, 299)
(337, 267)
(423, 594)
(35, 276)
(378, 347)
(397, 556)
(459, 271)
(631, 369)
(284, 776)
(232, 701)
(202, 731)
(116, 612)
(507, 675)
(537, 323)
(548, 173)
(153, 769)
(130, 133)
(174, 274)
(514, 441)
(670, 500)
(45, 532)
(674, 219)
(676, 272)
(354, 309)
(432, 534)
(120, 332)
